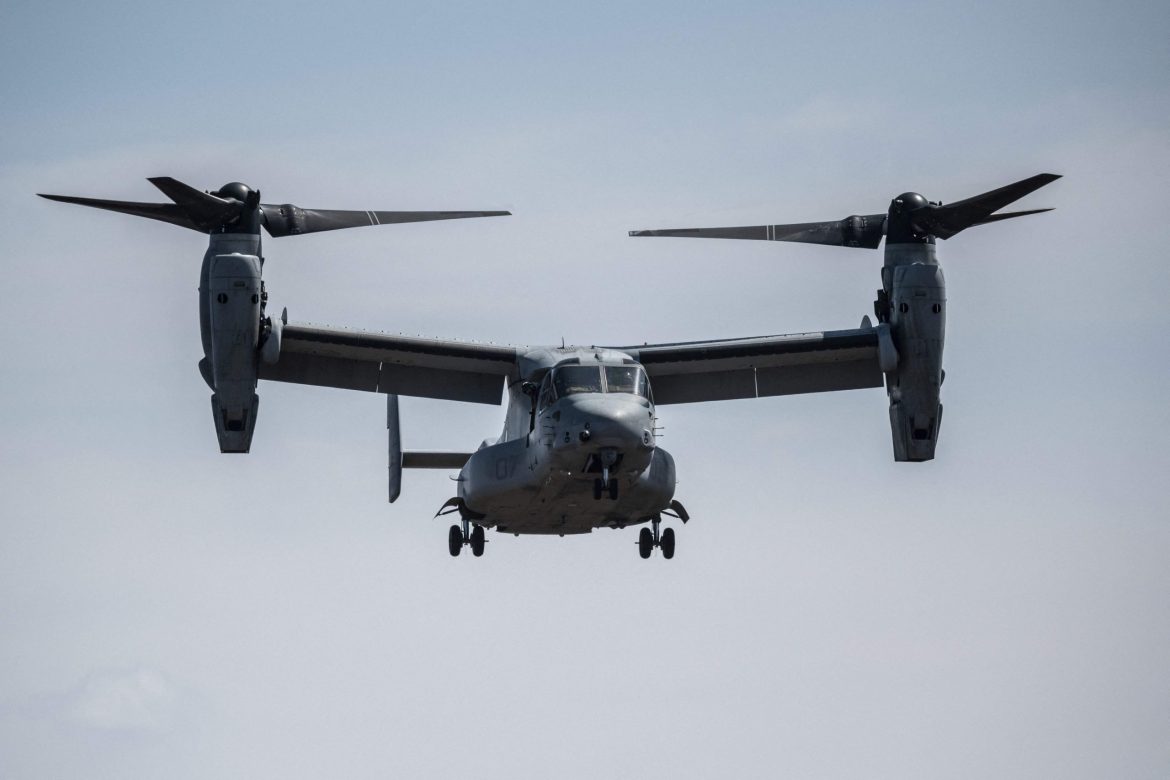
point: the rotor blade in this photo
(288, 220)
(946, 221)
(1009, 215)
(856, 231)
(165, 212)
(205, 209)
(184, 194)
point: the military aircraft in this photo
(578, 450)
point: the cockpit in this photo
(573, 379)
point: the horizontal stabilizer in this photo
(434, 460)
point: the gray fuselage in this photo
(553, 469)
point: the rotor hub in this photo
(235, 190)
(907, 202)
(901, 224)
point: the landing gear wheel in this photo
(455, 541)
(477, 541)
(613, 489)
(597, 488)
(667, 543)
(645, 542)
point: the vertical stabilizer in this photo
(394, 437)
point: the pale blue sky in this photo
(998, 612)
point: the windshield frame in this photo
(552, 388)
(641, 382)
(560, 374)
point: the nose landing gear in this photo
(606, 485)
(649, 538)
(608, 458)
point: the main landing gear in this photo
(649, 538)
(460, 535)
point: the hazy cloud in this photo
(139, 700)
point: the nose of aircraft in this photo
(612, 422)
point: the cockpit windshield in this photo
(568, 380)
(626, 379)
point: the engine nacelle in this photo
(917, 322)
(233, 320)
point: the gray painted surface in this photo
(999, 611)
(563, 445)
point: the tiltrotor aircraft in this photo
(578, 449)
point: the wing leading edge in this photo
(764, 366)
(685, 372)
(383, 363)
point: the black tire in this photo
(455, 541)
(667, 543)
(597, 490)
(613, 489)
(645, 542)
(477, 541)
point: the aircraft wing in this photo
(384, 363)
(762, 366)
